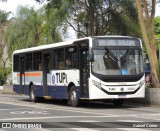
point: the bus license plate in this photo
(121, 96)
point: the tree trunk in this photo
(149, 41)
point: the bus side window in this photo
(28, 61)
(40, 66)
(37, 60)
(58, 59)
(71, 57)
(61, 65)
(16, 63)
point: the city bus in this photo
(93, 68)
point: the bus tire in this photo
(32, 96)
(73, 99)
(118, 102)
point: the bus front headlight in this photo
(141, 83)
(97, 84)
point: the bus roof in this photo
(43, 47)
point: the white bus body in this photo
(102, 68)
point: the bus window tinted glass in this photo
(58, 59)
(16, 63)
(71, 57)
(37, 61)
(29, 62)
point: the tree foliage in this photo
(4, 72)
(3, 23)
(29, 29)
(97, 17)
(157, 26)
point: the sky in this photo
(12, 5)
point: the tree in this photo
(3, 23)
(29, 29)
(97, 17)
(4, 72)
(4, 69)
(146, 18)
(52, 24)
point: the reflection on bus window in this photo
(58, 59)
(117, 60)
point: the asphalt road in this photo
(55, 114)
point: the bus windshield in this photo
(117, 62)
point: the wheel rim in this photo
(73, 97)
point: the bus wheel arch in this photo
(32, 96)
(69, 88)
(72, 95)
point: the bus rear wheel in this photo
(73, 99)
(118, 102)
(32, 96)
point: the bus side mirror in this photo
(90, 57)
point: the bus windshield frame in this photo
(124, 60)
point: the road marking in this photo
(88, 121)
(112, 125)
(30, 112)
(33, 118)
(130, 121)
(144, 116)
(41, 129)
(37, 105)
(14, 109)
(133, 129)
(83, 129)
(5, 109)
(74, 127)
(64, 109)
(34, 105)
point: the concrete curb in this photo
(152, 97)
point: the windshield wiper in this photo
(111, 54)
(127, 52)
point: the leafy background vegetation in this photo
(52, 22)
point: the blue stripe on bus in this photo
(16, 88)
(59, 92)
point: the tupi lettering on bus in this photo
(61, 77)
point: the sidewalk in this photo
(7, 89)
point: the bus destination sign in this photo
(116, 42)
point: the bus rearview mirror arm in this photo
(90, 57)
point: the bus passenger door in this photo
(22, 76)
(84, 72)
(46, 70)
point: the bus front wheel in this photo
(118, 102)
(32, 96)
(73, 100)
